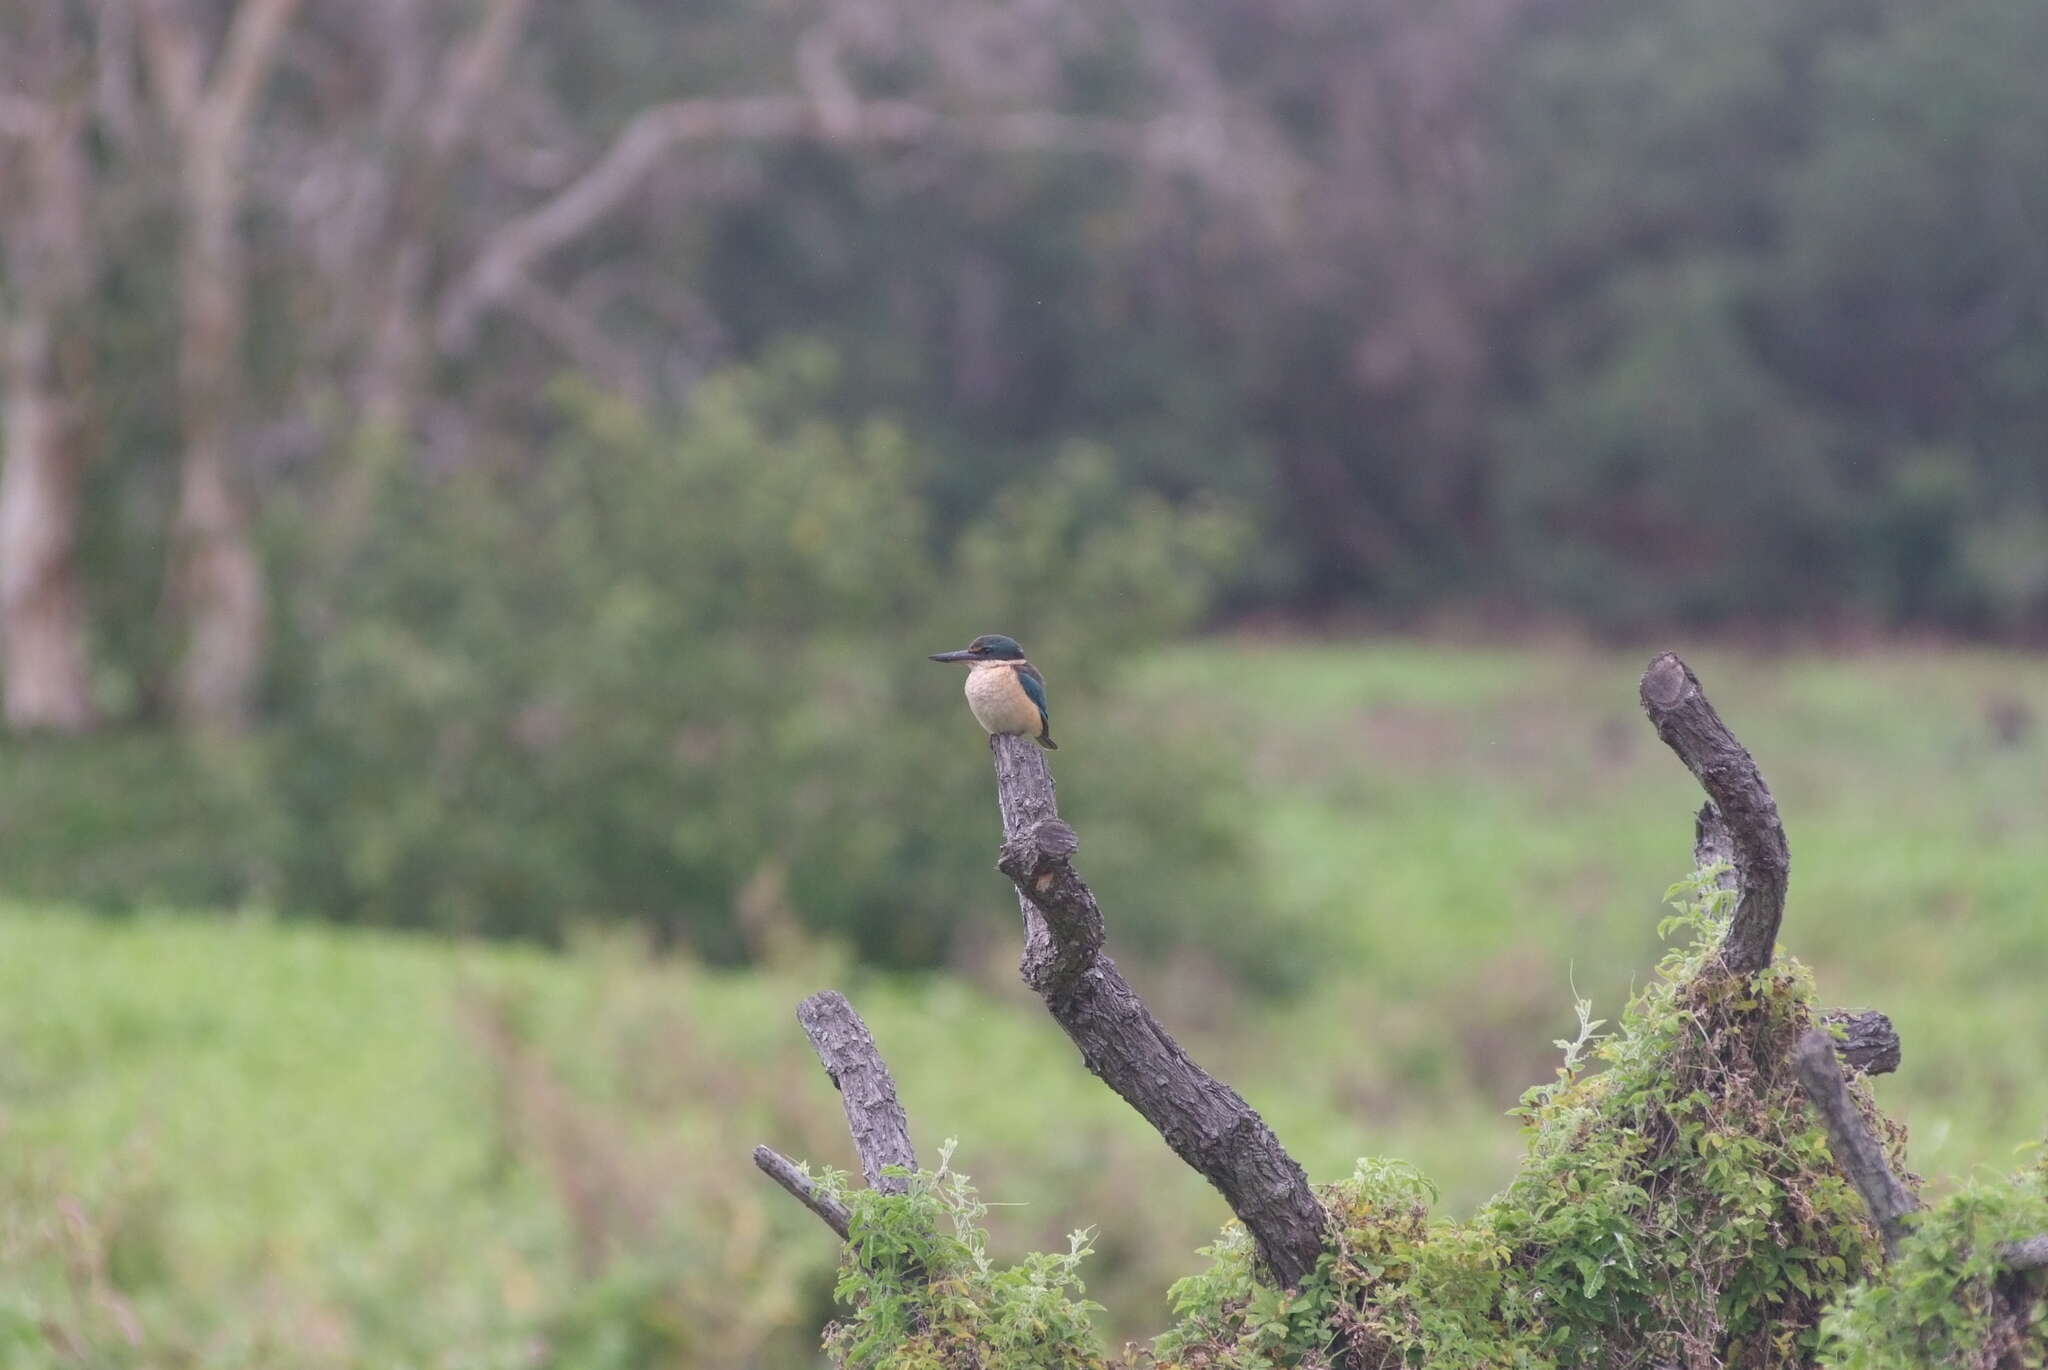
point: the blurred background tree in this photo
(551, 394)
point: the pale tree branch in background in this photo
(216, 583)
(49, 261)
(472, 70)
(655, 133)
(1756, 846)
(115, 86)
(21, 117)
(580, 336)
(246, 59)
(1206, 1122)
(176, 59)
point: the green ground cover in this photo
(231, 1141)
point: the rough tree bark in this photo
(881, 1132)
(1754, 836)
(49, 264)
(216, 578)
(1206, 1122)
(1869, 1045)
(874, 1117)
(1856, 1149)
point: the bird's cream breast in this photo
(997, 699)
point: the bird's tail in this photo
(1045, 741)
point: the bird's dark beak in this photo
(952, 656)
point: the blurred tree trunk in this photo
(49, 267)
(216, 578)
(42, 610)
(426, 119)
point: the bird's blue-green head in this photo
(987, 647)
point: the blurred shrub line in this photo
(677, 676)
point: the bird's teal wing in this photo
(1034, 685)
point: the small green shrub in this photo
(925, 1294)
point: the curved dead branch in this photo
(881, 1132)
(1869, 1044)
(1206, 1122)
(1746, 813)
(1856, 1149)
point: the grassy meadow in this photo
(228, 1140)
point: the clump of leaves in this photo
(1947, 1299)
(924, 1294)
(1678, 1206)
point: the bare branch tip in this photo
(1666, 680)
(800, 1187)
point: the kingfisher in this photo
(1005, 692)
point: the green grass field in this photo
(238, 1142)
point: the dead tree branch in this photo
(791, 1177)
(881, 1132)
(1205, 1121)
(1755, 839)
(1870, 1045)
(1856, 1149)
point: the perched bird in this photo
(1006, 692)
